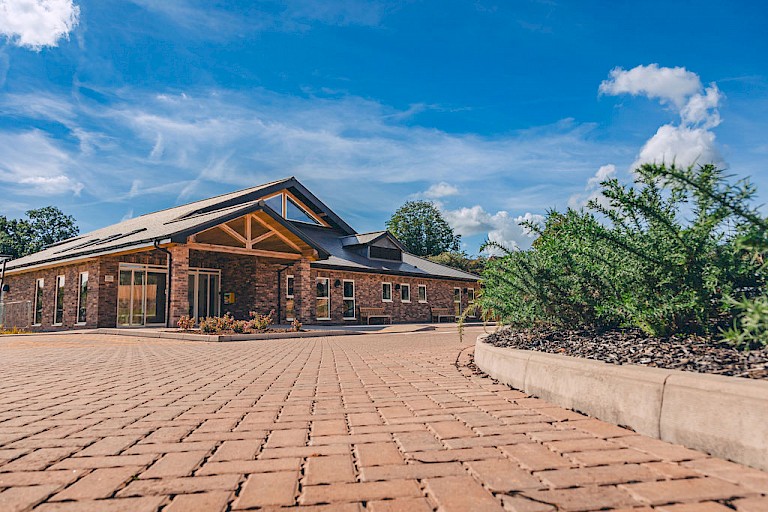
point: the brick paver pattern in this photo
(378, 422)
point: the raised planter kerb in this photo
(724, 416)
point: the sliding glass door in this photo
(141, 295)
(203, 292)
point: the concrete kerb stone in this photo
(224, 337)
(724, 416)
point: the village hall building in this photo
(271, 247)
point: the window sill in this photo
(322, 319)
(422, 302)
(386, 300)
(81, 323)
(349, 318)
(57, 325)
(405, 301)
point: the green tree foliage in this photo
(420, 226)
(660, 255)
(460, 260)
(42, 227)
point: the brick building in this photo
(271, 247)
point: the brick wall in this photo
(22, 288)
(368, 293)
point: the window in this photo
(405, 292)
(457, 301)
(290, 208)
(142, 294)
(471, 301)
(58, 304)
(386, 292)
(39, 301)
(82, 298)
(290, 302)
(349, 300)
(422, 293)
(203, 292)
(384, 253)
(323, 306)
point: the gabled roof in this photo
(346, 258)
(337, 245)
(370, 239)
(175, 224)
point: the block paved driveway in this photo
(377, 422)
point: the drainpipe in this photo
(156, 243)
(5, 259)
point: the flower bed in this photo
(258, 324)
(691, 353)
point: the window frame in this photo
(470, 302)
(382, 292)
(403, 287)
(422, 287)
(290, 296)
(58, 301)
(327, 297)
(345, 298)
(39, 301)
(80, 304)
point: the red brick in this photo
(461, 494)
(364, 491)
(329, 469)
(672, 491)
(268, 489)
(24, 498)
(536, 457)
(503, 475)
(201, 502)
(174, 465)
(245, 467)
(378, 454)
(584, 498)
(101, 483)
(411, 471)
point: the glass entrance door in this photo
(203, 293)
(141, 296)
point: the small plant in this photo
(239, 326)
(296, 325)
(261, 322)
(209, 325)
(185, 323)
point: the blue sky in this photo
(497, 111)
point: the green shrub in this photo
(661, 255)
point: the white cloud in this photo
(592, 190)
(669, 85)
(680, 144)
(439, 190)
(35, 24)
(500, 227)
(691, 141)
(33, 165)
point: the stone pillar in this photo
(179, 283)
(304, 292)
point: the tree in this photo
(420, 226)
(460, 260)
(42, 227)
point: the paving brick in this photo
(487, 441)
(200, 502)
(750, 478)
(245, 467)
(599, 475)
(672, 491)
(451, 429)
(330, 469)
(581, 445)
(362, 491)
(710, 506)
(183, 485)
(237, 450)
(101, 483)
(461, 493)
(602, 457)
(24, 478)
(378, 454)
(23, 498)
(400, 505)
(140, 504)
(411, 471)
(112, 445)
(520, 504)
(503, 475)
(584, 498)
(754, 504)
(174, 465)
(457, 455)
(116, 461)
(417, 441)
(536, 457)
(268, 489)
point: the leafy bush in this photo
(661, 255)
(186, 323)
(296, 325)
(261, 322)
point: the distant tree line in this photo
(40, 228)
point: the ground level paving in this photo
(377, 422)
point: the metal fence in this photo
(16, 314)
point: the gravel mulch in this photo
(694, 354)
